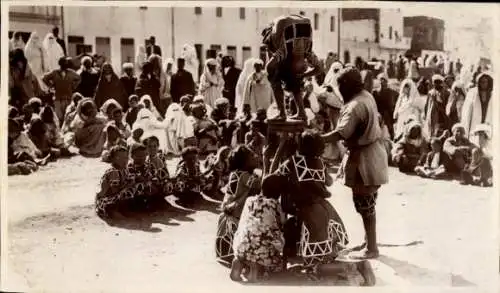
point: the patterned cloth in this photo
(116, 188)
(241, 185)
(159, 172)
(216, 174)
(188, 180)
(259, 237)
(323, 233)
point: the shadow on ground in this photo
(164, 214)
(416, 274)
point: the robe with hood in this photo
(37, 57)
(258, 92)
(472, 111)
(211, 84)
(242, 80)
(406, 108)
(54, 52)
(192, 63)
(148, 122)
(112, 89)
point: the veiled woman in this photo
(54, 52)
(242, 80)
(192, 62)
(37, 57)
(406, 106)
(23, 84)
(211, 83)
(478, 106)
(140, 58)
(88, 126)
(110, 87)
(258, 92)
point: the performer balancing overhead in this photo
(289, 41)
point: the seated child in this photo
(242, 184)
(22, 153)
(37, 133)
(479, 171)
(70, 112)
(220, 115)
(140, 173)
(217, 171)
(108, 107)
(35, 105)
(157, 163)
(436, 162)
(113, 138)
(409, 151)
(54, 135)
(122, 127)
(458, 148)
(136, 135)
(133, 110)
(258, 241)
(200, 100)
(117, 190)
(205, 131)
(256, 141)
(189, 180)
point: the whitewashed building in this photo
(28, 19)
(116, 32)
(391, 39)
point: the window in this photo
(216, 48)
(102, 47)
(302, 13)
(197, 10)
(83, 49)
(332, 23)
(73, 43)
(390, 33)
(247, 53)
(231, 51)
(242, 13)
(218, 11)
(127, 49)
(316, 21)
(143, 7)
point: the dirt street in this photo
(431, 233)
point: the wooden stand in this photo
(274, 151)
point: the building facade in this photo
(427, 33)
(28, 19)
(116, 32)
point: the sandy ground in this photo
(430, 233)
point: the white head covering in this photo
(331, 76)
(167, 62)
(53, 50)
(36, 55)
(140, 57)
(248, 69)
(152, 107)
(189, 54)
(413, 88)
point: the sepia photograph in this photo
(197, 146)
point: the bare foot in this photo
(236, 269)
(279, 117)
(365, 268)
(253, 274)
(367, 254)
